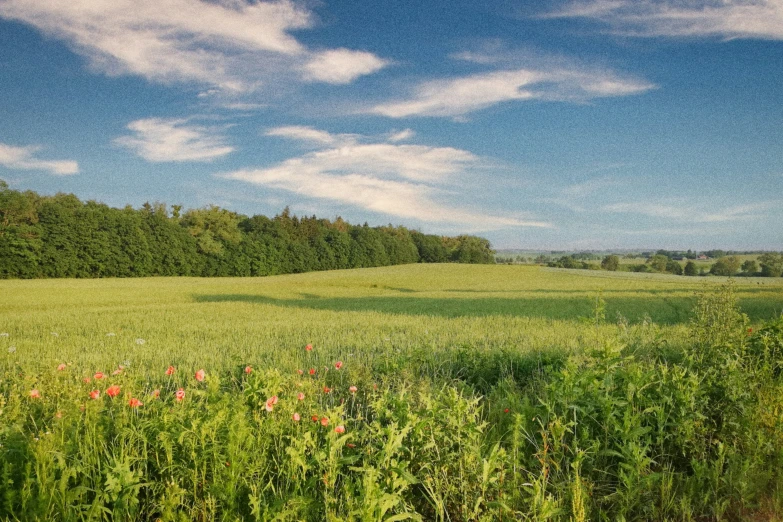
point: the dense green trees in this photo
(726, 266)
(610, 262)
(60, 236)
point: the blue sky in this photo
(537, 124)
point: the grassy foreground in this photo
(481, 393)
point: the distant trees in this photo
(610, 262)
(60, 236)
(749, 267)
(690, 269)
(771, 264)
(726, 266)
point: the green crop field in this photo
(481, 393)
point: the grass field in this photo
(465, 409)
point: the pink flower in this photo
(170, 370)
(338, 364)
(35, 394)
(61, 367)
(309, 348)
(98, 376)
(324, 421)
(340, 429)
(113, 391)
(248, 369)
(200, 375)
(135, 403)
(270, 403)
(95, 394)
(300, 396)
(180, 395)
(58, 415)
(86, 379)
(116, 372)
(353, 389)
(300, 372)
(155, 394)
(296, 417)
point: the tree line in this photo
(61, 236)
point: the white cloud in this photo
(231, 45)
(459, 96)
(162, 140)
(22, 158)
(694, 213)
(405, 181)
(341, 66)
(762, 19)
(314, 136)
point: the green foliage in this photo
(690, 269)
(610, 262)
(726, 266)
(749, 267)
(771, 264)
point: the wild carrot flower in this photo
(135, 403)
(353, 389)
(113, 391)
(296, 417)
(200, 375)
(338, 365)
(61, 367)
(95, 394)
(35, 394)
(98, 376)
(248, 369)
(309, 348)
(324, 421)
(300, 396)
(340, 429)
(170, 370)
(180, 395)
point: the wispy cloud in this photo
(761, 19)
(163, 140)
(405, 181)
(231, 45)
(694, 213)
(23, 158)
(455, 97)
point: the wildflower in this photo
(55, 334)
(314, 418)
(61, 367)
(11, 349)
(86, 379)
(339, 429)
(300, 372)
(140, 341)
(312, 371)
(300, 396)
(338, 365)
(228, 464)
(505, 411)
(353, 389)
(750, 331)
(117, 371)
(98, 376)
(155, 394)
(35, 394)
(113, 391)
(327, 389)
(58, 415)
(4, 334)
(350, 445)
(248, 369)
(95, 394)
(324, 421)
(110, 334)
(309, 348)
(296, 417)
(135, 403)
(170, 370)
(270, 403)
(180, 395)
(200, 375)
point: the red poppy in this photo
(327, 389)
(353, 389)
(170, 370)
(309, 348)
(312, 371)
(270, 403)
(505, 411)
(135, 403)
(296, 417)
(155, 394)
(314, 418)
(98, 376)
(300, 396)
(61, 367)
(200, 375)
(180, 395)
(340, 429)
(35, 394)
(300, 372)
(248, 370)
(338, 364)
(95, 394)
(324, 421)
(86, 379)
(113, 391)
